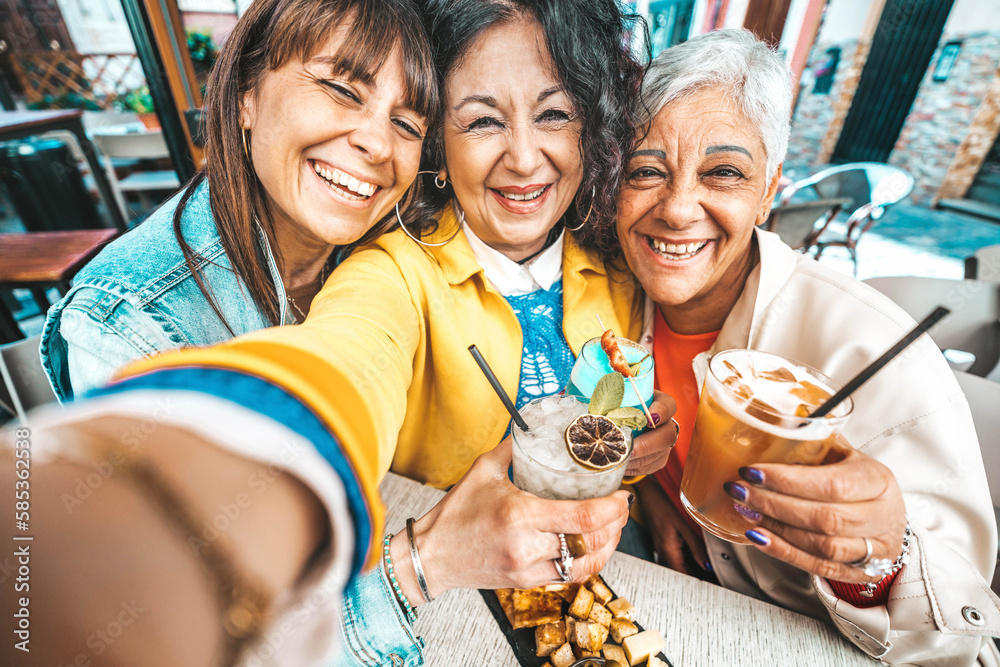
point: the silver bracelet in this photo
(415, 557)
(904, 558)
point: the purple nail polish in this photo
(746, 512)
(708, 566)
(655, 416)
(735, 491)
(757, 537)
(752, 475)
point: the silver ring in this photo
(564, 564)
(863, 561)
(678, 426)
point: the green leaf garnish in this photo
(608, 394)
(632, 418)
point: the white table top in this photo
(703, 624)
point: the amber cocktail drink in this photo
(754, 409)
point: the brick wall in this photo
(814, 113)
(939, 120)
(943, 111)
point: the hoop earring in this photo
(246, 144)
(593, 196)
(399, 219)
(438, 183)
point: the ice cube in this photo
(738, 388)
(810, 393)
(764, 412)
(781, 374)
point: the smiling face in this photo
(511, 138)
(334, 155)
(694, 191)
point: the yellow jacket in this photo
(395, 320)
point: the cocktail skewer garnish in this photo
(616, 360)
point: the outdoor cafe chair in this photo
(136, 146)
(869, 187)
(973, 327)
(799, 224)
(984, 264)
(984, 397)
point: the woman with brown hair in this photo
(315, 118)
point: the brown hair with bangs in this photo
(268, 35)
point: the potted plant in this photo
(140, 102)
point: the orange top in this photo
(672, 356)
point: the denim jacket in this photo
(138, 298)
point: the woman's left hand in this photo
(651, 450)
(817, 517)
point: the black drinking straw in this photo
(879, 363)
(498, 388)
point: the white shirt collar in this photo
(513, 279)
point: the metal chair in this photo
(136, 146)
(984, 264)
(24, 381)
(799, 224)
(870, 187)
(973, 325)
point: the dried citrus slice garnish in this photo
(594, 441)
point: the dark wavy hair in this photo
(588, 42)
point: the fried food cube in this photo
(600, 590)
(590, 636)
(621, 628)
(622, 608)
(504, 595)
(582, 603)
(570, 628)
(570, 592)
(614, 652)
(536, 607)
(600, 614)
(654, 662)
(549, 637)
(639, 647)
(562, 656)
(580, 653)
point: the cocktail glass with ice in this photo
(543, 465)
(593, 364)
(754, 409)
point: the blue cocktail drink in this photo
(593, 364)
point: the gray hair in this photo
(756, 79)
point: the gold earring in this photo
(246, 143)
(593, 196)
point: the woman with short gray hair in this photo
(891, 536)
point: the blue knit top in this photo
(546, 358)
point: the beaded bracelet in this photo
(411, 613)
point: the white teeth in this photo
(522, 197)
(337, 177)
(676, 251)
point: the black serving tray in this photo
(522, 641)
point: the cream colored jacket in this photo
(912, 417)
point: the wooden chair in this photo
(136, 146)
(871, 187)
(39, 260)
(973, 325)
(984, 264)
